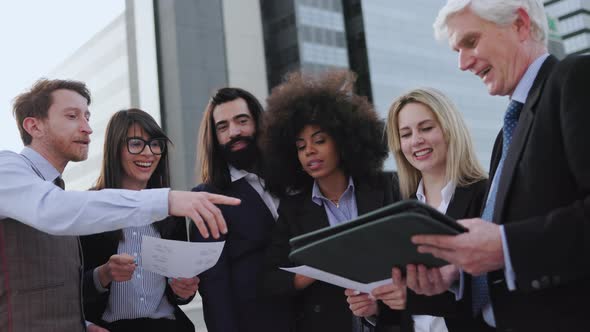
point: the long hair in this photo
(328, 101)
(500, 12)
(211, 166)
(462, 166)
(111, 171)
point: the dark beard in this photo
(243, 158)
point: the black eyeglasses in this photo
(136, 145)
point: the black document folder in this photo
(365, 249)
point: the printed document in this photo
(176, 259)
(336, 280)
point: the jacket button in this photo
(536, 284)
(317, 308)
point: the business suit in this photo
(98, 248)
(320, 306)
(466, 203)
(229, 289)
(543, 201)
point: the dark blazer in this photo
(543, 201)
(98, 248)
(466, 203)
(229, 289)
(320, 306)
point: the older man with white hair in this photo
(529, 254)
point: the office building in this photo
(573, 24)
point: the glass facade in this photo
(110, 89)
(303, 34)
(403, 54)
(574, 23)
(390, 45)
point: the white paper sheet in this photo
(176, 259)
(336, 280)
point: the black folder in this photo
(365, 249)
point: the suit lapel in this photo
(253, 194)
(460, 202)
(520, 137)
(313, 216)
(367, 198)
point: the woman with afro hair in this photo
(324, 148)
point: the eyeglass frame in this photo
(146, 143)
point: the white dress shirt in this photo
(426, 323)
(258, 184)
(27, 194)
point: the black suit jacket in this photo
(231, 301)
(543, 201)
(98, 248)
(320, 306)
(466, 203)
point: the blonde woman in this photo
(437, 165)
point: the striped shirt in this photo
(144, 295)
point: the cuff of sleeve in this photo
(508, 270)
(97, 284)
(458, 287)
(371, 320)
(157, 203)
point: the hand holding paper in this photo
(361, 304)
(394, 295)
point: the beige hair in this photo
(462, 166)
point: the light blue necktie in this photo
(479, 284)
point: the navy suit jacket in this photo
(231, 301)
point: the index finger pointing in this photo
(221, 199)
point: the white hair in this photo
(501, 12)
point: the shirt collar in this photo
(446, 193)
(236, 174)
(526, 82)
(317, 196)
(47, 170)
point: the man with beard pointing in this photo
(230, 163)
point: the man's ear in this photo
(34, 126)
(523, 24)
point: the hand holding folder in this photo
(365, 249)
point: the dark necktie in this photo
(59, 182)
(479, 284)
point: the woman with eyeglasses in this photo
(118, 294)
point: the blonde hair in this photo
(462, 166)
